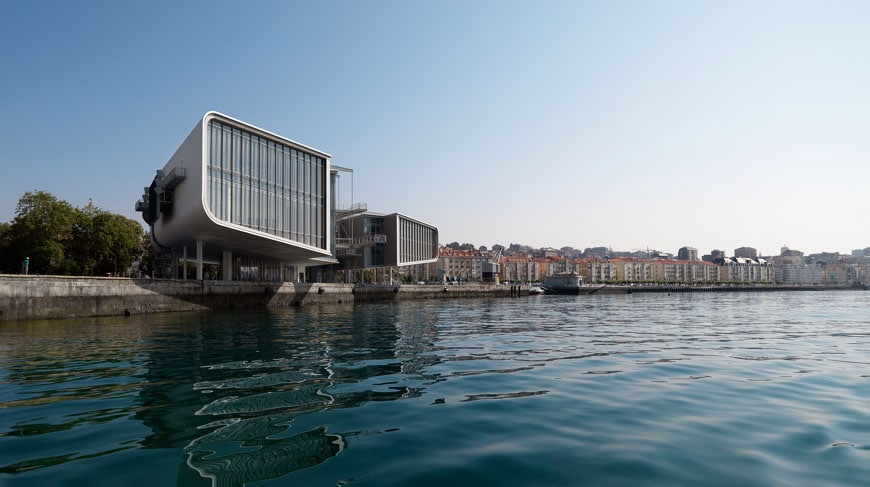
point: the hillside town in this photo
(518, 263)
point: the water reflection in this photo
(316, 360)
(59, 378)
(266, 458)
(603, 387)
(223, 387)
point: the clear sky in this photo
(628, 124)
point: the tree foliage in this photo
(61, 239)
(103, 242)
(41, 230)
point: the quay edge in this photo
(60, 297)
(28, 297)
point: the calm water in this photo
(688, 389)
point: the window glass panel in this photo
(267, 187)
(279, 197)
(245, 183)
(300, 162)
(264, 185)
(264, 162)
(306, 213)
(234, 176)
(255, 182)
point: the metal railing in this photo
(344, 212)
(360, 241)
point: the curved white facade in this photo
(241, 189)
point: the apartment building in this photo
(635, 270)
(685, 271)
(797, 274)
(462, 265)
(746, 252)
(555, 265)
(835, 274)
(687, 253)
(520, 268)
(743, 269)
(601, 270)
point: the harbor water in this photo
(749, 389)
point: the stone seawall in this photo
(55, 297)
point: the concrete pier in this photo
(24, 297)
(55, 297)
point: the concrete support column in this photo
(199, 260)
(184, 262)
(227, 266)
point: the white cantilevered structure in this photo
(257, 204)
(375, 240)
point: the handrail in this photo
(360, 241)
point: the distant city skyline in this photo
(631, 125)
(691, 253)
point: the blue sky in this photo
(630, 124)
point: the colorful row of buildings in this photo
(470, 266)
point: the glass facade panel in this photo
(281, 190)
(245, 181)
(265, 185)
(417, 242)
(297, 197)
(235, 176)
(269, 188)
(306, 202)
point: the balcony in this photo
(351, 211)
(348, 246)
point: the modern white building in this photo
(245, 202)
(376, 240)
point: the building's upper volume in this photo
(243, 189)
(415, 243)
(374, 240)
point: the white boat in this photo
(536, 290)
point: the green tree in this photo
(5, 249)
(60, 239)
(103, 242)
(41, 230)
(124, 244)
(82, 255)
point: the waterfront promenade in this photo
(62, 297)
(28, 297)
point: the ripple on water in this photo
(690, 389)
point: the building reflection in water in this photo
(231, 385)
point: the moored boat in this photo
(566, 283)
(536, 290)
